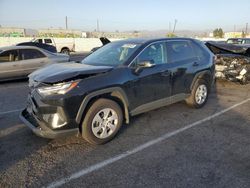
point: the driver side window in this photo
(155, 53)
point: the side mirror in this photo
(146, 64)
(143, 64)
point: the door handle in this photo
(195, 64)
(165, 73)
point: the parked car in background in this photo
(215, 41)
(62, 45)
(244, 41)
(121, 79)
(104, 41)
(19, 61)
(47, 47)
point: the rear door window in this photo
(180, 51)
(31, 54)
(9, 56)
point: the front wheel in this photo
(102, 121)
(199, 94)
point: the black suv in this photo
(119, 80)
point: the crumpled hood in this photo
(65, 71)
(228, 49)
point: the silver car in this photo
(19, 61)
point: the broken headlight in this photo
(60, 88)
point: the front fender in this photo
(114, 92)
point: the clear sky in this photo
(126, 14)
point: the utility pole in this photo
(66, 22)
(97, 25)
(175, 22)
(246, 28)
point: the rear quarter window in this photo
(200, 52)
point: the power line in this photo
(175, 22)
(246, 28)
(66, 22)
(97, 25)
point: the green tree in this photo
(218, 33)
(171, 35)
(243, 34)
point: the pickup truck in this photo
(61, 45)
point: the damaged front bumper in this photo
(40, 129)
(40, 117)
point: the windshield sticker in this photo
(129, 45)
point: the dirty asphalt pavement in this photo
(214, 153)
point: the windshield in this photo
(234, 41)
(112, 54)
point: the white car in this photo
(19, 61)
(64, 46)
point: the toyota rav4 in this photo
(120, 80)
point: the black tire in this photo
(65, 51)
(96, 107)
(191, 100)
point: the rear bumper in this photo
(40, 129)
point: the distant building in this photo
(12, 32)
(211, 35)
(65, 33)
(60, 33)
(233, 34)
(119, 35)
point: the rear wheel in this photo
(199, 94)
(102, 121)
(65, 51)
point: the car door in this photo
(183, 65)
(149, 85)
(10, 64)
(32, 59)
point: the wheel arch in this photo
(115, 93)
(205, 75)
(65, 47)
